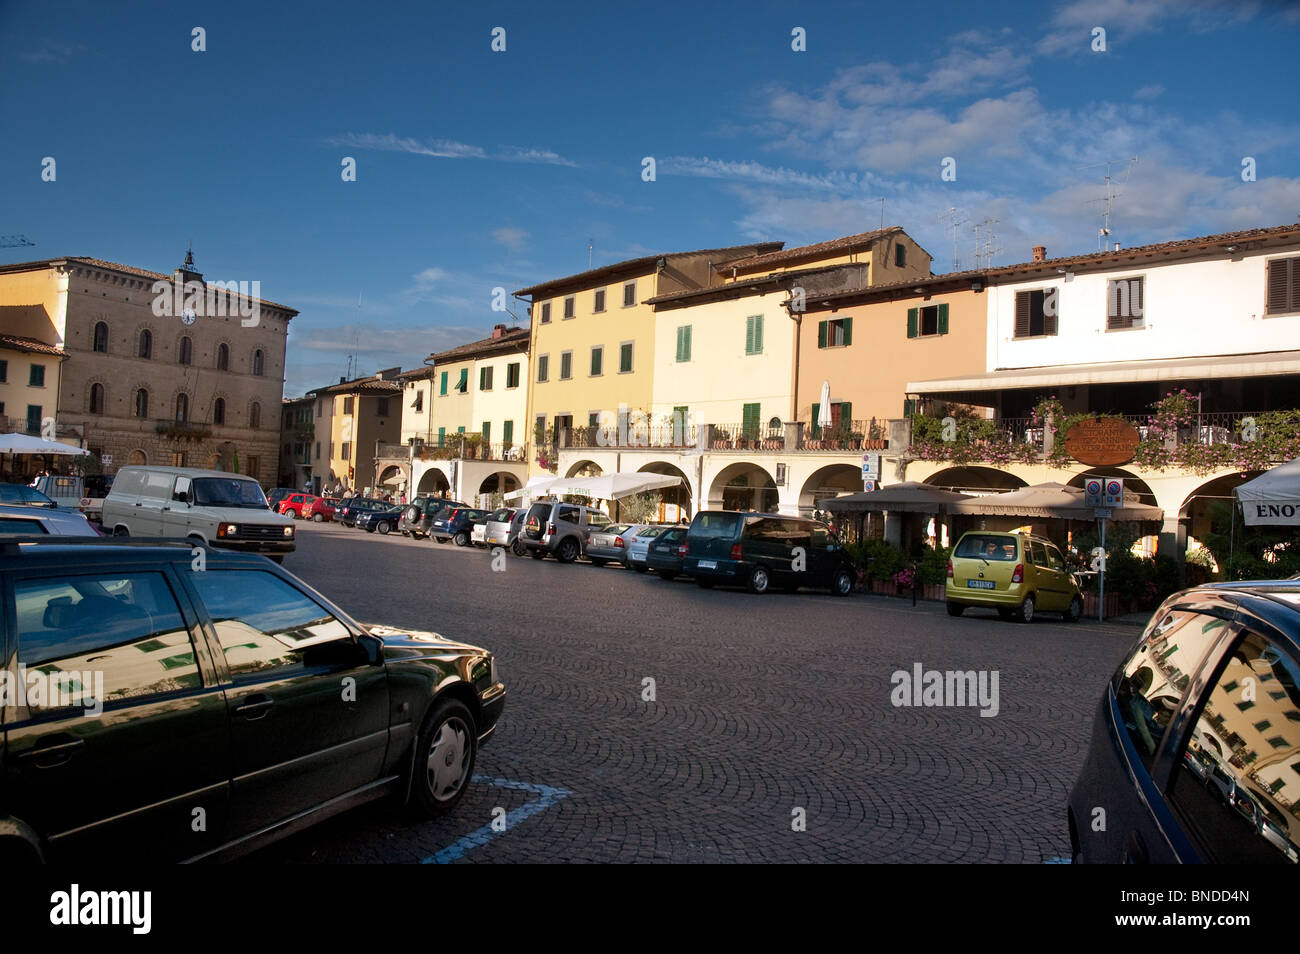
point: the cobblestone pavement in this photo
(763, 705)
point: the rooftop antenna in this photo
(1109, 196)
(988, 247)
(954, 222)
(591, 243)
(356, 342)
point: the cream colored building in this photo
(29, 382)
(358, 416)
(156, 376)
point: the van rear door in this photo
(712, 533)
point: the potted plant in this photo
(855, 440)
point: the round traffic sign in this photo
(1112, 487)
(1092, 487)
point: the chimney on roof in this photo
(498, 330)
(1040, 253)
(343, 379)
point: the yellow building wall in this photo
(501, 403)
(454, 410)
(33, 304)
(16, 393)
(584, 393)
(873, 371)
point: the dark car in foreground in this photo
(380, 521)
(764, 550)
(1197, 736)
(666, 552)
(231, 692)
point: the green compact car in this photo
(1015, 573)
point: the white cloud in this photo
(511, 237)
(446, 148)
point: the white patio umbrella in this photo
(26, 444)
(534, 488)
(610, 486)
(824, 411)
(1273, 498)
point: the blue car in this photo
(382, 521)
(455, 524)
(1197, 738)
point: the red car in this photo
(305, 506)
(323, 508)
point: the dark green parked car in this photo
(764, 550)
(180, 704)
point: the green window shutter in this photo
(749, 336)
(444, 383)
(688, 343)
(487, 432)
(679, 343)
(821, 334)
(749, 420)
(758, 334)
(846, 416)
(912, 326)
(816, 428)
(508, 432)
(848, 331)
(943, 319)
(442, 431)
(463, 384)
(460, 430)
(909, 407)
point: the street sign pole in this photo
(1101, 573)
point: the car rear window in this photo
(987, 546)
(20, 526)
(597, 519)
(715, 525)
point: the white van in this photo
(65, 489)
(211, 507)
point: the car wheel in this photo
(1026, 611)
(704, 584)
(597, 561)
(759, 580)
(318, 518)
(121, 532)
(461, 539)
(370, 528)
(842, 585)
(955, 609)
(639, 567)
(537, 553)
(444, 758)
(518, 547)
(384, 528)
(1074, 612)
(568, 551)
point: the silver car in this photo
(38, 521)
(637, 540)
(502, 529)
(607, 544)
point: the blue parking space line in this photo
(458, 849)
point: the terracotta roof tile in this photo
(808, 251)
(31, 345)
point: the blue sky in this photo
(478, 169)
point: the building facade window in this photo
(142, 403)
(219, 411)
(512, 374)
(97, 399)
(442, 384)
(900, 255)
(36, 376)
(182, 407)
(508, 433)
(1036, 313)
(382, 407)
(569, 306)
(597, 361)
(598, 301)
(223, 357)
(684, 343)
(927, 321)
(100, 342)
(543, 367)
(418, 404)
(346, 451)
(629, 294)
(485, 378)
(546, 312)
(146, 344)
(1125, 304)
(566, 365)
(754, 334)
(462, 383)
(347, 405)
(1283, 286)
(185, 353)
(255, 415)
(258, 362)
(625, 358)
(835, 332)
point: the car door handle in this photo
(56, 753)
(255, 707)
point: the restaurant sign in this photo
(1102, 441)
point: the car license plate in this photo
(708, 564)
(981, 584)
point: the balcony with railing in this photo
(632, 436)
(457, 447)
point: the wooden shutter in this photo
(758, 334)
(912, 322)
(821, 334)
(1283, 286)
(688, 342)
(750, 420)
(508, 432)
(846, 415)
(1022, 315)
(442, 436)
(943, 319)
(1049, 321)
(848, 331)
(749, 336)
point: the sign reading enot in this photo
(1102, 441)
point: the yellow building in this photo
(29, 383)
(361, 415)
(592, 346)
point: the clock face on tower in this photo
(187, 316)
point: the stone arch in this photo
(681, 495)
(970, 478)
(501, 481)
(833, 480)
(1133, 484)
(433, 481)
(390, 471)
(584, 468)
(137, 458)
(744, 485)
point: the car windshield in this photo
(18, 494)
(501, 516)
(979, 546)
(648, 532)
(714, 525)
(228, 492)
